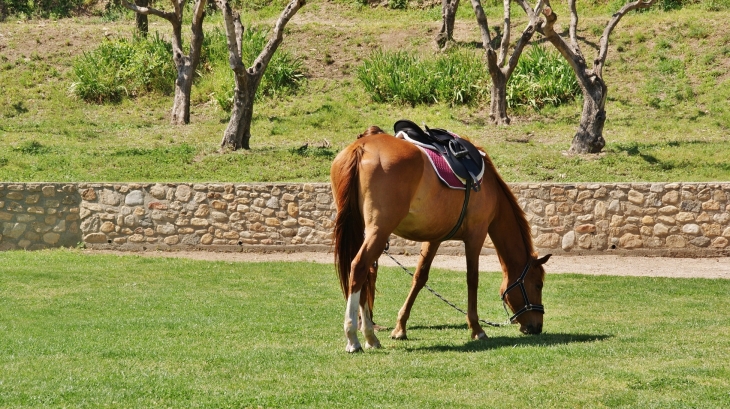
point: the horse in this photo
(383, 185)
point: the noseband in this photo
(521, 284)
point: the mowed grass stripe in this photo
(101, 330)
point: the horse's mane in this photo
(522, 223)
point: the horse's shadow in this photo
(491, 343)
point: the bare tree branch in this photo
(239, 34)
(277, 37)
(547, 28)
(178, 5)
(196, 41)
(603, 50)
(531, 14)
(232, 21)
(504, 46)
(527, 34)
(150, 11)
(573, 27)
(482, 22)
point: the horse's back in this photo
(380, 156)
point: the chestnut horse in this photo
(385, 185)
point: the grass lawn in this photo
(667, 113)
(125, 331)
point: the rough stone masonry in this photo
(660, 218)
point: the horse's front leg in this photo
(472, 283)
(420, 277)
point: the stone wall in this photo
(39, 215)
(654, 218)
(651, 216)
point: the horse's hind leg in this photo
(369, 294)
(420, 277)
(357, 301)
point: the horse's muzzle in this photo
(531, 329)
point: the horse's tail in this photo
(349, 224)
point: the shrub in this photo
(40, 8)
(124, 67)
(542, 77)
(457, 78)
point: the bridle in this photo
(521, 284)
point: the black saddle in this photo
(464, 158)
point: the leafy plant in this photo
(542, 77)
(32, 148)
(398, 4)
(122, 67)
(41, 8)
(455, 78)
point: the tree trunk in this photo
(183, 88)
(185, 64)
(589, 137)
(448, 13)
(498, 106)
(141, 19)
(238, 132)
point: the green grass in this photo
(124, 331)
(667, 112)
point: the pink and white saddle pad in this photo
(442, 168)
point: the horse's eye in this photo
(539, 287)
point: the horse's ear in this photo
(543, 260)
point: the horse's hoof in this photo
(399, 335)
(353, 349)
(375, 345)
(377, 328)
(479, 336)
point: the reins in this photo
(442, 298)
(519, 283)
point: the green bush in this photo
(667, 5)
(284, 74)
(542, 77)
(40, 8)
(456, 78)
(122, 67)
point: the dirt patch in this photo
(716, 267)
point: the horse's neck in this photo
(507, 236)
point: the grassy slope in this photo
(668, 116)
(125, 331)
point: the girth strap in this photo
(467, 193)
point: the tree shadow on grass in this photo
(542, 340)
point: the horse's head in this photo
(524, 296)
